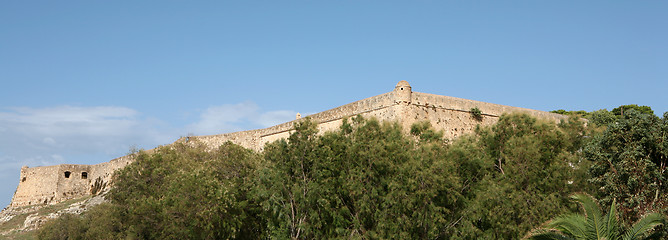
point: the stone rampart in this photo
(465, 105)
(327, 120)
(37, 185)
(53, 184)
(452, 115)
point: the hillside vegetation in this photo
(369, 180)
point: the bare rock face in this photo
(36, 216)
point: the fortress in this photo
(455, 116)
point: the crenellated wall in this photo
(43, 185)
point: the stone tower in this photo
(402, 93)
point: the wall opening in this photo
(67, 174)
(84, 175)
(23, 179)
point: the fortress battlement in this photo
(52, 184)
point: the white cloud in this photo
(91, 135)
(49, 141)
(36, 135)
(68, 120)
(67, 130)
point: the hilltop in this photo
(453, 117)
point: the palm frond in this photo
(592, 214)
(550, 235)
(571, 224)
(611, 225)
(594, 225)
(588, 203)
(646, 224)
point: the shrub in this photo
(476, 113)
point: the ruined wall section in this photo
(36, 185)
(73, 181)
(105, 170)
(43, 185)
(53, 184)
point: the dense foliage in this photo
(630, 159)
(367, 180)
(603, 117)
(516, 175)
(596, 224)
(574, 113)
(177, 192)
(621, 110)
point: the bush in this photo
(476, 113)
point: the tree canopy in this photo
(629, 164)
(621, 110)
(375, 180)
(596, 225)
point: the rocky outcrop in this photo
(29, 218)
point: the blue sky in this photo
(83, 81)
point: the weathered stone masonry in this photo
(450, 114)
(53, 184)
(45, 185)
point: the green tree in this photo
(174, 192)
(579, 113)
(67, 226)
(514, 173)
(602, 117)
(287, 183)
(595, 225)
(621, 110)
(629, 164)
(367, 180)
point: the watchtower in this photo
(402, 92)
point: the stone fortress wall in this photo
(377, 106)
(52, 184)
(450, 114)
